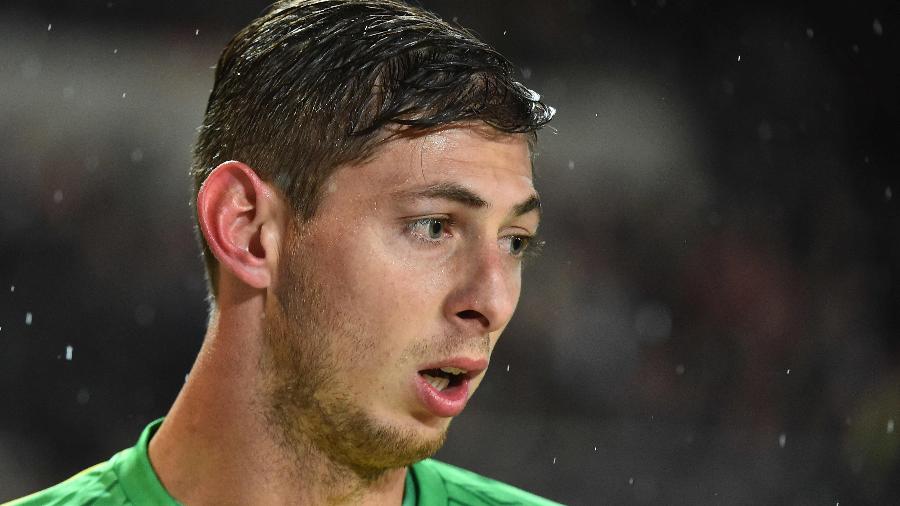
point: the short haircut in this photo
(313, 85)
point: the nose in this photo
(486, 291)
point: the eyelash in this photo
(416, 226)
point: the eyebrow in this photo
(457, 193)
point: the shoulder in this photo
(465, 487)
(97, 486)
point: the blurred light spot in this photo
(810, 33)
(631, 481)
(116, 51)
(571, 164)
(57, 196)
(28, 318)
(855, 48)
(653, 321)
(890, 426)
(12, 288)
(888, 193)
(788, 372)
(782, 440)
(124, 94)
(679, 369)
(69, 350)
(83, 396)
(137, 155)
(197, 32)
(876, 27)
(554, 461)
(144, 315)
(507, 367)
(50, 26)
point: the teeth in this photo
(453, 370)
(439, 384)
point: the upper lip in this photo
(472, 366)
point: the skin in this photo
(304, 389)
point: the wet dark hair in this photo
(313, 85)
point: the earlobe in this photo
(238, 213)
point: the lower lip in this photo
(449, 402)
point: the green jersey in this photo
(128, 479)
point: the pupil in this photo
(435, 229)
(516, 244)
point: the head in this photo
(399, 148)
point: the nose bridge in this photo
(488, 289)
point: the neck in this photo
(217, 447)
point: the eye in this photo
(516, 244)
(429, 229)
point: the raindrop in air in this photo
(57, 196)
(782, 440)
(679, 369)
(890, 426)
(12, 288)
(28, 318)
(197, 32)
(876, 27)
(571, 164)
(50, 26)
(810, 33)
(507, 367)
(739, 57)
(69, 351)
(631, 481)
(788, 372)
(888, 193)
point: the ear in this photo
(241, 218)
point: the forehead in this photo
(476, 155)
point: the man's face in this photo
(390, 300)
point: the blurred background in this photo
(715, 318)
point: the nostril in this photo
(471, 314)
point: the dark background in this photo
(714, 319)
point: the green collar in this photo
(141, 485)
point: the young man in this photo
(364, 199)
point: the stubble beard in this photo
(305, 402)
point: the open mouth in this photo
(444, 387)
(445, 377)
